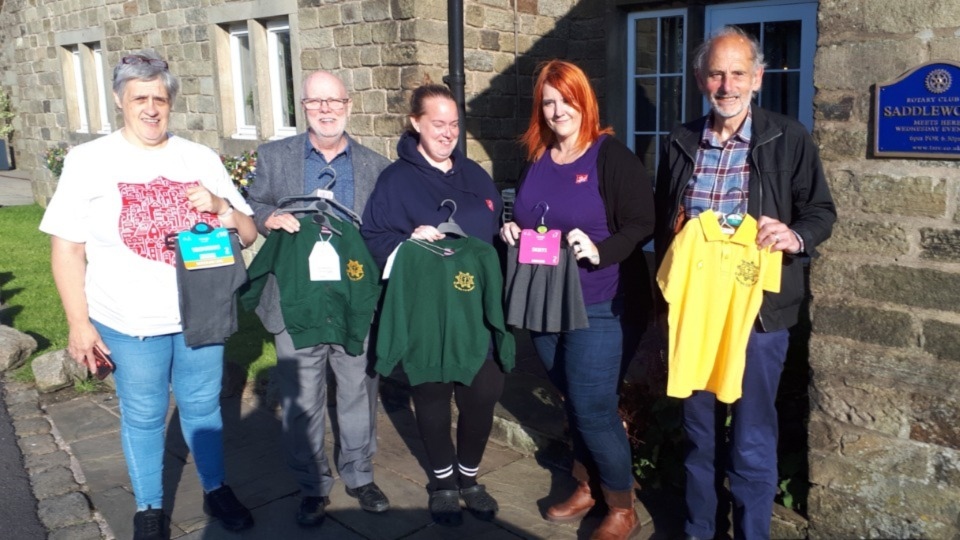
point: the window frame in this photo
(632, 77)
(102, 94)
(276, 71)
(82, 119)
(243, 129)
(768, 11)
(82, 79)
(261, 18)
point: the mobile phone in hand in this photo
(103, 363)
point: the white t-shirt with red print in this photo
(121, 201)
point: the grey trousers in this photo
(302, 377)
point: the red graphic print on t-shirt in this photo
(151, 211)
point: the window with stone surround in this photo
(257, 53)
(87, 100)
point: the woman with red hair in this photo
(591, 187)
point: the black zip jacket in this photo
(786, 183)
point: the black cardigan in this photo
(627, 194)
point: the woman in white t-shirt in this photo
(117, 199)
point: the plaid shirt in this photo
(721, 173)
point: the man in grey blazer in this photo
(324, 157)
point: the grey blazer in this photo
(280, 174)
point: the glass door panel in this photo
(787, 32)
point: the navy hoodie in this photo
(409, 192)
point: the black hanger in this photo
(450, 226)
(542, 226)
(310, 208)
(319, 207)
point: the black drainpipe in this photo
(456, 80)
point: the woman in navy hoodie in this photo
(407, 203)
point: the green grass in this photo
(32, 304)
(251, 347)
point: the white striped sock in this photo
(444, 472)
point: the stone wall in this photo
(382, 49)
(884, 428)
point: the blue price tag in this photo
(205, 247)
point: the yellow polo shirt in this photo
(714, 283)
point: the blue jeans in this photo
(752, 453)
(585, 365)
(146, 368)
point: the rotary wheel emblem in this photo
(938, 81)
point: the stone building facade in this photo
(885, 414)
(884, 417)
(381, 48)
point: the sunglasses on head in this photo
(135, 59)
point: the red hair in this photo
(573, 85)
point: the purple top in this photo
(572, 192)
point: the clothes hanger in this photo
(353, 215)
(326, 194)
(319, 207)
(730, 222)
(542, 226)
(201, 227)
(432, 248)
(450, 226)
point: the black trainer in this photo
(311, 512)
(371, 498)
(222, 504)
(445, 507)
(480, 503)
(150, 524)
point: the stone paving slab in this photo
(524, 508)
(525, 485)
(81, 419)
(15, 188)
(274, 522)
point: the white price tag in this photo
(324, 262)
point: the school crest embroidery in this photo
(748, 273)
(354, 270)
(463, 282)
(153, 210)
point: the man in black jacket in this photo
(741, 159)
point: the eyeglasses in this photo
(135, 59)
(312, 104)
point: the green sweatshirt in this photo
(317, 312)
(439, 312)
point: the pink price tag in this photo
(540, 248)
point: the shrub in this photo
(54, 157)
(7, 115)
(242, 169)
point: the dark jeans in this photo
(752, 462)
(585, 365)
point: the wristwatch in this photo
(229, 209)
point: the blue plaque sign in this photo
(918, 114)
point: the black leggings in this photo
(475, 402)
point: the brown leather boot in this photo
(621, 521)
(579, 503)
